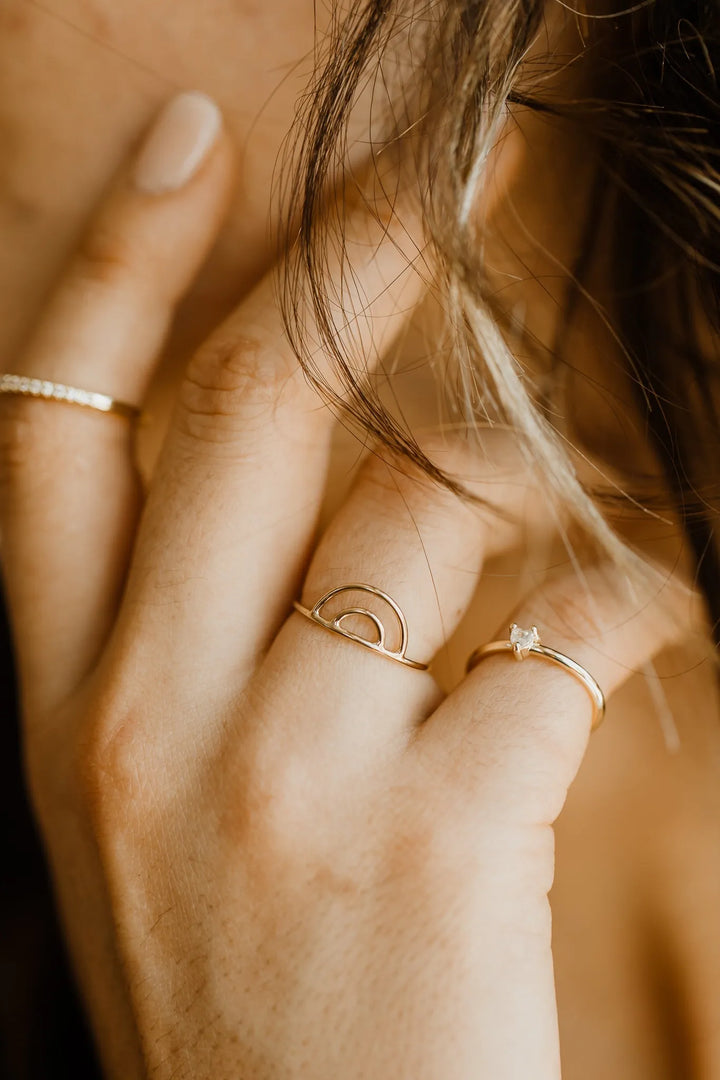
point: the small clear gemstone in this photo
(523, 638)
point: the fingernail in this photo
(178, 143)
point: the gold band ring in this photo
(377, 644)
(523, 643)
(71, 395)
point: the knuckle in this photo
(116, 774)
(378, 475)
(272, 820)
(23, 429)
(411, 468)
(430, 859)
(433, 837)
(388, 486)
(233, 379)
(40, 443)
(569, 612)
(421, 848)
(396, 486)
(105, 258)
(32, 435)
(272, 805)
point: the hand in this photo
(278, 854)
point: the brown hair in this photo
(451, 73)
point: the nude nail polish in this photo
(178, 143)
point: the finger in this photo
(512, 736)
(70, 490)
(234, 502)
(423, 546)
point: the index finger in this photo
(234, 502)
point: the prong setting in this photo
(523, 640)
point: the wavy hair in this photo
(449, 76)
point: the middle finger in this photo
(236, 494)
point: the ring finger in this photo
(424, 547)
(512, 735)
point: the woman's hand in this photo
(278, 854)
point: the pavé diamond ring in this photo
(70, 395)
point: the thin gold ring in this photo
(70, 395)
(378, 645)
(523, 643)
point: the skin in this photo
(399, 939)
